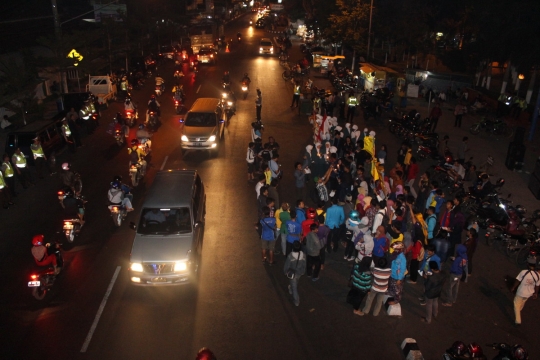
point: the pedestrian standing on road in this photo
(42, 165)
(260, 184)
(335, 217)
(258, 104)
(4, 193)
(68, 136)
(294, 268)
(275, 166)
(351, 107)
(451, 288)
(360, 284)
(294, 232)
(9, 174)
(296, 94)
(300, 180)
(434, 283)
(470, 244)
(21, 168)
(381, 274)
(313, 249)
(261, 200)
(434, 116)
(250, 159)
(527, 284)
(429, 255)
(268, 240)
(282, 216)
(398, 264)
(412, 173)
(273, 192)
(459, 111)
(463, 148)
(322, 234)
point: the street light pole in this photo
(369, 29)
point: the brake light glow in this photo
(33, 276)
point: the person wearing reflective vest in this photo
(21, 168)
(4, 193)
(39, 158)
(351, 105)
(296, 94)
(68, 136)
(9, 175)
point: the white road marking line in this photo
(100, 310)
(164, 162)
(199, 88)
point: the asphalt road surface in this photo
(240, 308)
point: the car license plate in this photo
(34, 283)
(159, 279)
(198, 143)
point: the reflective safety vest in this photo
(66, 130)
(297, 90)
(123, 85)
(20, 160)
(9, 169)
(37, 151)
(2, 182)
(351, 101)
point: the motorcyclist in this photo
(231, 97)
(246, 79)
(153, 105)
(130, 106)
(119, 118)
(160, 82)
(144, 135)
(117, 197)
(226, 78)
(67, 175)
(239, 36)
(41, 254)
(179, 93)
(73, 207)
(483, 187)
(178, 74)
(125, 188)
(137, 155)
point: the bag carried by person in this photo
(291, 273)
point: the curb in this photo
(410, 349)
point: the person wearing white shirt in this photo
(458, 169)
(527, 283)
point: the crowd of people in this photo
(394, 224)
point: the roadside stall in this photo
(327, 62)
(375, 77)
(317, 57)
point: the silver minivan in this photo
(204, 125)
(169, 235)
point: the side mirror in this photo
(132, 225)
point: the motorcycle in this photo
(178, 106)
(118, 214)
(507, 352)
(42, 281)
(129, 116)
(72, 228)
(119, 137)
(492, 126)
(490, 210)
(137, 172)
(239, 38)
(245, 89)
(530, 250)
(159, 89)
(152, 120)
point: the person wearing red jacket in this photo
(412, 173)
(311, 218)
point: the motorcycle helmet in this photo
(134, 142)
(141, 126)
(117, 178)
(311, 214)
(65, 166)
(37, 240)
(116, 185)
(354, 216)
(458, 348)
(128, 100)
(68, 192)
(475, 351)
(153, 97)
(519, 353)
(205, 354)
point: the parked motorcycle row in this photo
(473, 351)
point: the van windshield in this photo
(201, 119)
(164, 221)
(266, 43)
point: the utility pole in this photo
(57, 30)
(369, 29)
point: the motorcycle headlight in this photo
(502, 206)
(212, 138)
(229, 103)
(184, 138)
(180, 266)
(137, 267)
(224, 95)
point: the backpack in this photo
(265, 154)
(439, 201)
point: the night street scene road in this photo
(283, 179)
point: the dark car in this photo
(166, 52)
(260, 24)
(206, 56)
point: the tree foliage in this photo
(349, 24)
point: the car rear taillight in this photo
(33, 276)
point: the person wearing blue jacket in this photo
(431, 222)
(335, 217)
(399, 267)
(459, 266)
(300, 212)
(432, 193)
(294, 232)
(429, 255)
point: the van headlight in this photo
(271, 49)
(212, 138)
(260, 49)
(137, 267)
(180, 266)
(229, 103)
(184, 138)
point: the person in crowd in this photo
(459, 266)
(322, 232)
(398, 264)
(250, 159)
(434, 116)
(380, 244)
(526, 286)
(294, 232)
(300, 180)
(268, 239)
(360, 284)
(294, 268)
(429, 255)
(381, 275)
(433, 285)
(313, 250)
(470, 244)
(281, 222)
(335, 217)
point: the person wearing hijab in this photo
(360, 283)
(398, 264)
(364, 244)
